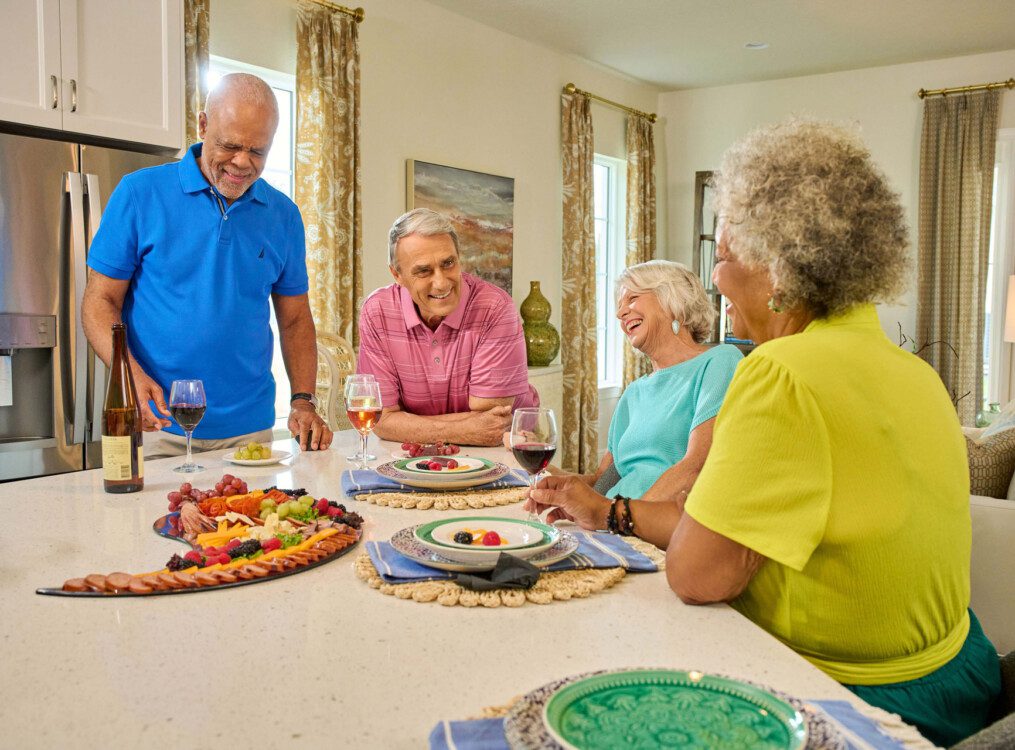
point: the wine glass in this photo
(363, 407)
(360, 455)
(187, 404)
(533, 442)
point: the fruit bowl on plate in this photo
(478, 539)
(443, 479)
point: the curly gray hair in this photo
(421, 221)
(804, 200)
(679, 292)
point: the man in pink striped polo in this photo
(446, 347)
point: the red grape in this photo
(185, 488)
(228, 478)
(175, 497)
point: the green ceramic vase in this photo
(542, 342)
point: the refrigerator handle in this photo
(78, 369)
(98, 374)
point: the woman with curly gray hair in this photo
(833, 509)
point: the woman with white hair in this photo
(661, 430)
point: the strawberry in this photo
(322, 506)
(491, 539)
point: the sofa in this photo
(992, 568)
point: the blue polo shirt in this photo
(201, 274)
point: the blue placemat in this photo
(488, 734)
(368, 482)
(595, 550)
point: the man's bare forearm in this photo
(98, 314)
(403, 427)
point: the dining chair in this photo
(335, 360)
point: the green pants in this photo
(953, 701)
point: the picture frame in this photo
(481, 207)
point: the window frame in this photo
(612, 353)
(998, 352)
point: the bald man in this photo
(188, 255)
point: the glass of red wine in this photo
(363, 407)
(187, 404)
(360, 455)
(533, 442)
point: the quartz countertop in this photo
(311, 660)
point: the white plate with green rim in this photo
(523, 539)
(406, 543)
(442, 480)
(465, 465)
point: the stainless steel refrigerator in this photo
(51, 384)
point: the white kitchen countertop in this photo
(315, 659)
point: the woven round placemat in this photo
(447, 500)
(552, 586)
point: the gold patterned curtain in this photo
(641, 219)
(956, 183)
(579, 423)
(195, 62)
(328, 188)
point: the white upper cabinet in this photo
(30, 71)
(117, 64)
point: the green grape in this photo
(267, 503)
(265, 512)
(283, 510)
(244, 454)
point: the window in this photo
(278, 172)
(997, 353)
(609, 184)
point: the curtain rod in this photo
(358, 14)
(572, 89)
(1009, 84)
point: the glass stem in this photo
(189, 459)
(363, 448)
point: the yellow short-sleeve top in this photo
(839, 457)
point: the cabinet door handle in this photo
(56, 92)
(73, 95)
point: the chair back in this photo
(335, 360)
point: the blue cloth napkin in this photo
(368, 482)
(595, 550)
(488, 734)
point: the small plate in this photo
(406, 543)
(276, 457)
(543, 538)
(466, 465)
(441, 480)
(520, 534)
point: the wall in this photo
(438, 87)
(702, 123)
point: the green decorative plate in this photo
(670, 709)
(522, 534)
(466, 465)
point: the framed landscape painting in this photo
(480, 205)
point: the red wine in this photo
(533, 456)
(187, 415)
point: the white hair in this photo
(422, 221)
(679, 292)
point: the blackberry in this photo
(355, 520)
(245, 549)
(178, 563)
(463, 537)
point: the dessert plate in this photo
(406, 543)
(442, 480)
(466, 465)
(276, 457)
(525, 538)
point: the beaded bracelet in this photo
(611, 518)
(625, 525)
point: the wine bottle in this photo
(122, 453)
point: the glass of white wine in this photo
(363, 407)
(361, 454)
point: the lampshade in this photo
(1009, 312)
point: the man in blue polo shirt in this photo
(188, 255)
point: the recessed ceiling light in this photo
(756, 45)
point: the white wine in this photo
(122, 452)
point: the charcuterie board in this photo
(236, 538)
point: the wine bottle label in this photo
(116, 457)
(140, 462)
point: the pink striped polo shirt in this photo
(478, 350)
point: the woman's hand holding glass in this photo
(533, 441)
(569, 498)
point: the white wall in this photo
(702, 123)
(438, 87)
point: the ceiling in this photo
(677, 44)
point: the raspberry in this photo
(434, 466)
(193, 556)
(452, 464)
(223, 558)
(491, 539)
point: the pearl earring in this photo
(675, 325)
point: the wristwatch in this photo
(304, 397)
